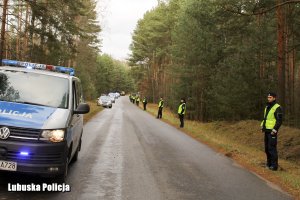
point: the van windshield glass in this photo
(35, 89)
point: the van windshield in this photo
(35, 89)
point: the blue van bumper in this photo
(37, 157)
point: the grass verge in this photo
(243, 142)
(94, 109)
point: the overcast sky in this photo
(118, 19)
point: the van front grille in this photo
(22, 134)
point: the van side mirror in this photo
(83, 108)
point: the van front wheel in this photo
(62, 177)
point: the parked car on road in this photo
(117, 94)
(112, 97)
(104, 101)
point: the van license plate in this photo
(8, 166)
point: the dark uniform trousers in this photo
(271, 149)
(145, 105)
(181, 117)
(159, 114)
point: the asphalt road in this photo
(129, 154)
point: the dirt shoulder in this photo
(94, 109)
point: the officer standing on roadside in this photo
(273, 116)
(137, 100)
(160, 108)
(145, 103)
(181, 112)
(130, 98)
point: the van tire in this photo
(62, 177)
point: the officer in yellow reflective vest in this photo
(181, 112)
(130, 98)
(273, 116)
(145, 103)
(137, 100)
(160, 108)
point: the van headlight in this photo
(53, 135)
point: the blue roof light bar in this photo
(29, 65)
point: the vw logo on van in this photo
(4, 133)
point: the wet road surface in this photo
(129, 154)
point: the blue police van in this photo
(41, 118)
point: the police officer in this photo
(145, 103)
(181, 112)
(133, 99)
(160, 108)
(130, 98)
(138, 100)
(270, 125)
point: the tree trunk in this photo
(26, 33)
(31, 36)
(7, 45)
(280, 49)
(3, 30)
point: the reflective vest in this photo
(270, 119)
(161, 104)
(138, 99)
(180, 108)
(144, 101)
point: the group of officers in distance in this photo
(135, 99)
(273, 116)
